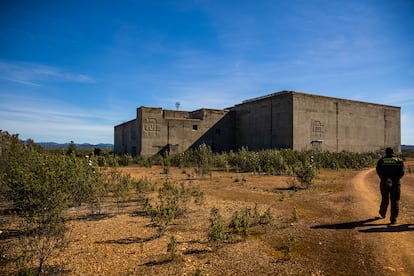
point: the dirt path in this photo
(394, 244)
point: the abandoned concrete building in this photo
(285, 119)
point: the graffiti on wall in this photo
(151, 127)
(318, 129)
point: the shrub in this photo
(144, 185)
(203, 157)
(198, 195)
(266, 217)
(243, 220)
(241, 223)
(216, 231)
(124, 160)
(305, 171)
(123, 187)
(167, 208)
(41, 186)
(271, 161)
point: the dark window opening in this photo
(195, 127)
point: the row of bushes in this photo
(269, 161)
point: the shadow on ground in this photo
(348, 225)
(129, 240)
(375, 227)
(389, 228)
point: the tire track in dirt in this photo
(393, 244)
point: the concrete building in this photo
(285, 119)
(155, 130)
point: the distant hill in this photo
(53, 145)
(407, 147)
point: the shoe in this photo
(382, 214)
(393, 220)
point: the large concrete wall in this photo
(182, 130)
(125, 138)
(265, 122)
(337, 124)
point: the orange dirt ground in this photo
(332, 228)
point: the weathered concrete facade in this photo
(338, 124)
(281, 120)
(125, 138)
(304, 121)
(175, 131)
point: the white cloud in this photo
(45, 120)
(34, 74)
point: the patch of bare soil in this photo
(332, 228)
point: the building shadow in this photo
(349, 225)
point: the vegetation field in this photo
(196, 220)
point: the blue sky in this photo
(71, 70)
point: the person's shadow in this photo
(375, 228)
(390, 228)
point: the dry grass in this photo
(298, 240)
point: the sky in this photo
(72, 70)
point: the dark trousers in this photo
(388, 193)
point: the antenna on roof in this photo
(177, 105)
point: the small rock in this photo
(390, 268)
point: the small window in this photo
(195, 127)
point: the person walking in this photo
(390, 170)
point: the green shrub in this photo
(270, 161)
(266, 217)
(305, 171)
(124, 160)
(246, 218)
(216, 231)
(41, 186)
(168, 207)
(122, 190)
(203, 157)
(144, 185)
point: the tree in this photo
(72, 148)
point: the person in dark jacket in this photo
(390, 170)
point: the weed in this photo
(125, 160)
(289, 247)
(168, 207)
(236, 222)
(216, 232)
(306, 171)
(166, 164)
(199, 271)
(144, 185)
(172, 247)
(255, 216)
(295, 215)
(198, 195)
(243, 220)
(267, 217)
(122, 188)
